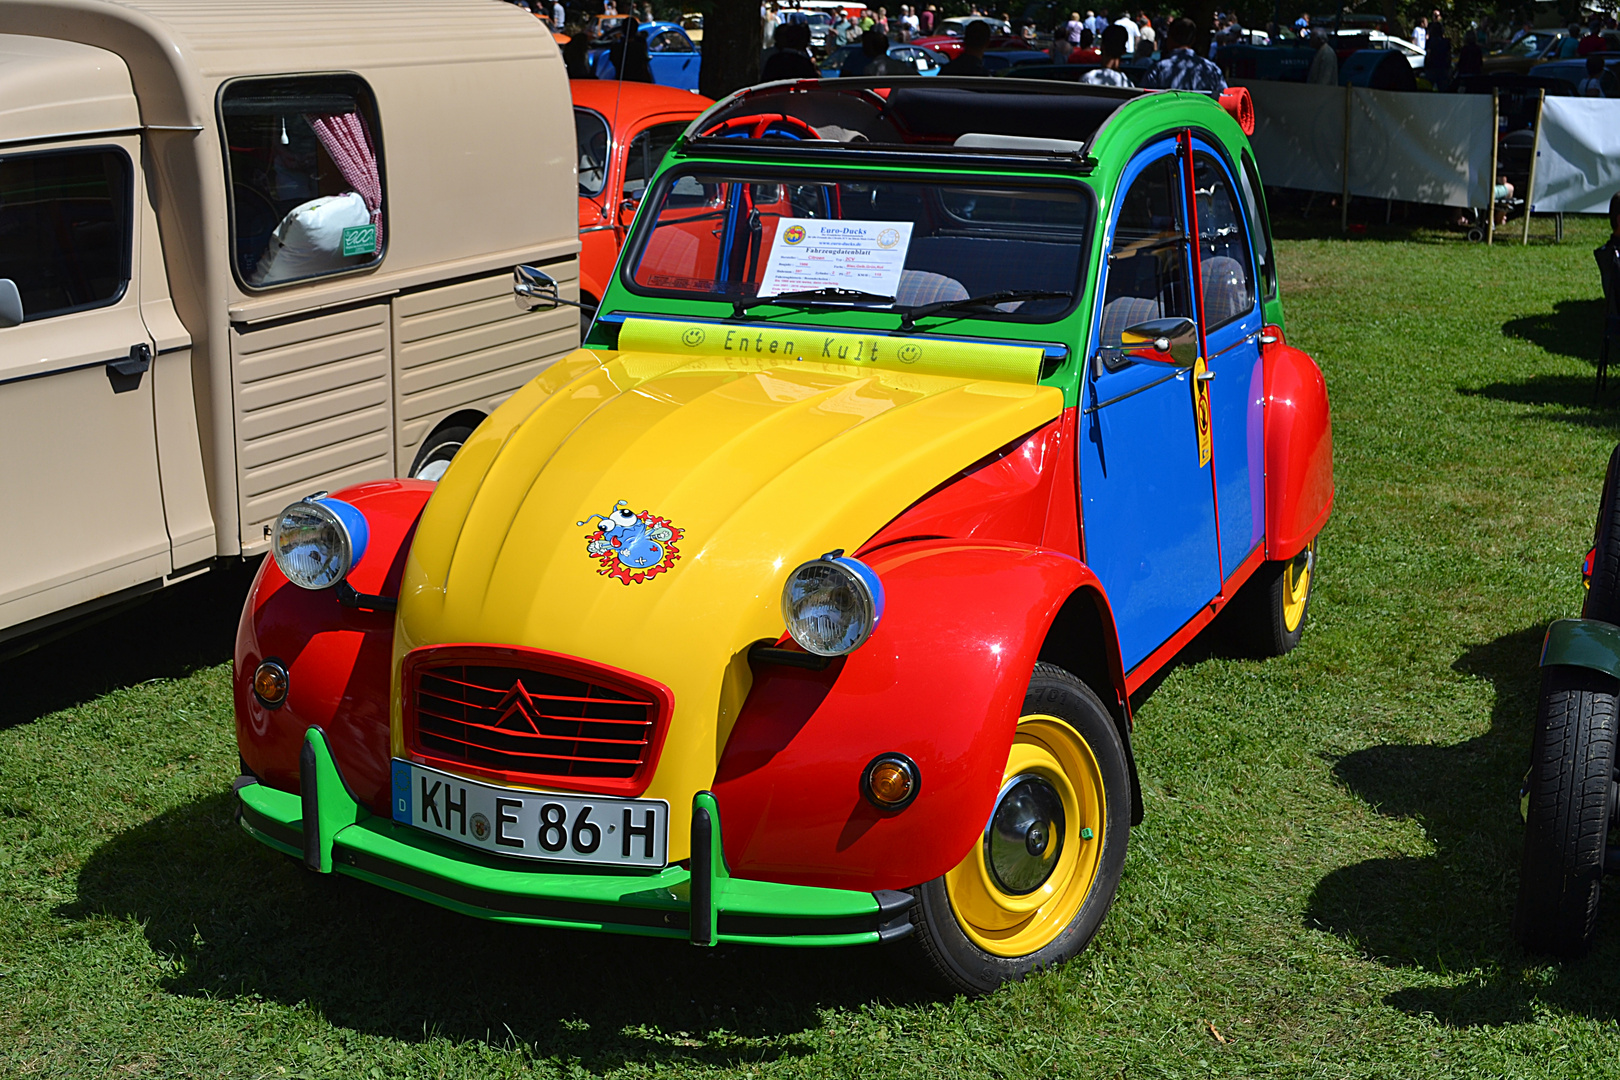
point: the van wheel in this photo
(434, 457)
(1268, 614)
(1039, 879)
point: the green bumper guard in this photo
(331, 832)
(1585, 643)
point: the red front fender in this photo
(338, 658)
(1299, 450)
(941, 680)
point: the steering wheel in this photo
(758, 127)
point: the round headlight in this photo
(832, 604)
(317, 541)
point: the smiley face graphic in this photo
(692, 338)
(909, 354)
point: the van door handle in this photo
(139, 361)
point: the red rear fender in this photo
(338, 658)
(1299, 450)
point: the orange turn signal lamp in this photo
(890, 782)
(270, 684)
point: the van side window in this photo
(306, 175)
(1147, 269)
(1253, 195)
(65, 229)
(1223, 247)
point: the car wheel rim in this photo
(1025, 881)
(1297, 587)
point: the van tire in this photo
(434, 457)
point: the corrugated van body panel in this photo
(469, 346)
(313, 409)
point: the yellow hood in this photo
(760, 462)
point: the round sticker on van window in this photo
(794, 235)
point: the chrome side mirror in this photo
(536, 290)
(1174, 340)
(11, 309)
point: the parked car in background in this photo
(926, 61)
(1572, 72)
(805, 604)
(1287, 61)
(672, 57)
(244, 262)
(950, 44)
(622, 131)
(1349, 41)
(1530, 50)
(820, 24)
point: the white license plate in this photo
(532, 824)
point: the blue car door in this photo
(1232, 324)
(1145, 488)
(673, 59)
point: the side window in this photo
(591, 136)
(669, 42)
(647, 150)
(1147, 269)
(306, 175)
(65, 229)
(1225, 271)
(1254, 196)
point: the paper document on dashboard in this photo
(812, 253)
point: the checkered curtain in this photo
(347, 138)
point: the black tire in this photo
(1267, 617)
(1603, 593)
(946, 955)
(1569, 804)
(436, 452)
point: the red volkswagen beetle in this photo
(623, 130)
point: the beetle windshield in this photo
(873, 242)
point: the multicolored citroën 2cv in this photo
(922, 423)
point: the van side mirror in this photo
(1175, 341)
(11, 309)
(536, 290)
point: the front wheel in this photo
(1568, 804)
(1036, 884)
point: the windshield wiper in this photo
(830, 296)
(909, 316)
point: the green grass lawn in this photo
(1321, 888)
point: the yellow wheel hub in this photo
(1297, 587)
(1026, 877)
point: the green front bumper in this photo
(331, 832)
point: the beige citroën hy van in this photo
(251, 250)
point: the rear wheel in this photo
(1603, 593)
(1567, 811)
(1039, 879)
(1270, 610)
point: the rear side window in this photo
(591, 139)
(65, 229)
(647, 152)
(306, 175)
(1254, 196)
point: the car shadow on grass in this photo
(175, 632)
(1450, 911)
(236, 919)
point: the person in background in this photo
(913, 25)
(1608, 257)
(1420, 33)
(881, 23)
(1437, 57)
(1470, 58)
(1183, 69)
(1125, 23)
(791, 60)
(867, 21)
(970, 61)
(874, 58)
(1072, 29)
(1095, 22)
(926, 20)
(1592, 85)
(1593, 42)
(1324, 65)
(1302, 25)
(1147, 40)
(846, 30)
(576, 54)
(1114, 40)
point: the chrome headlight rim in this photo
(862, 580)
(352, 536)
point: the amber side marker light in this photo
(270, 684)
(890, 782)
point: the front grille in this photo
(528, 716)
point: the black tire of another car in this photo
(1568, 811)
(1603, 594)
(436, 452)
(948, 956)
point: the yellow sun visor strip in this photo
(925, 355)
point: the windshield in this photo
(900, 243)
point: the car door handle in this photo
(1204, 376)
(139, 361)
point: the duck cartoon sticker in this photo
(632, 547)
